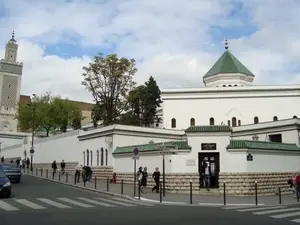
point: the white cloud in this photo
(172, 39)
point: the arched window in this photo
(233, 122)
(229, 85)
(102, 156)
(106, 157)
(192, 122)
(224, 85)
(239, 123)
(91, 153)
(211, 121)
(87, 157)
(84, 158)
(228, 123)
(235, 85)
(275, 118)
(173, 123)
(97, 157)
(295, 117)
(256, 120)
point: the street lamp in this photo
(165, 149)
(32, 103)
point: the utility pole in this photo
(33, 130)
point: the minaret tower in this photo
(10, 85)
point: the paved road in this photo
(37, 202)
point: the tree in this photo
(143, 102)
(46, 113)
(150, 101)
(109, 79)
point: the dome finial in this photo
(226, 45)
(13, 35)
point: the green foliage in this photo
(109, 79)
(47, 113)
(143, 102)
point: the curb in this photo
(84, 188)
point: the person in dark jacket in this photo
(144, 180)
(156, 177)
(63, 166)
(139, 177)
(89, 173)
(54, 168)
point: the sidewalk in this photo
(170, 198)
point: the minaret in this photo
(11, 50)
(10, 85)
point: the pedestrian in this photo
(54, 168)
(2, 159)
(207, 175)
(63, 166)
(84, 174)
(89, 173)
(144, 180)
(77, 173)
(27, 163)
(18, 162)
(139, 177)
(156, 177)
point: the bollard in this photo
(297, 194)
(279, 195)
(58, 176)
(139, 190)
(122, 191)
(46, 173)
(191, 192)
(224, 192)
(32, 171)
(42, 172)
(107, 184)
(75, 179)
(84, 183)
(95, 182)
(160, 192)
(256, 200)
(66, 177)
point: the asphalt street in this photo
(37, 202)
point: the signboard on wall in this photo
(208, 146)
(249, 157)
(190, 162)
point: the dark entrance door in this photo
(213, 160)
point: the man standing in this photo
(156, 177)
(54, 168)
(77, 173)
(207, 175)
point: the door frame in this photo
(201, 156)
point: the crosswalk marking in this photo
(75, 202)
(260, 208)
(118, 203)
(29, 204)
(237, 207)
(286, 215)
(296, 221)
(275, 211)
(53, 203)
(96, 202)
(132, 201)
(7, 207)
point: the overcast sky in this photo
(176, 41)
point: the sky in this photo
(175, 41)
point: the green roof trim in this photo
(262, 145)
(211, 128)
(227, 63)
(151, 147)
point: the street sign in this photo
(31, 151)
(136, 157)
(136, 151)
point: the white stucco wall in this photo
(243, 103)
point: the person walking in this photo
(156, 177)
(54, 168)
(144, 180)
(63, 166)
(78, 169)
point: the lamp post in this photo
(164, 150)
(33, 130)
(0, 151)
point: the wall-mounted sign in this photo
(249, 157)
(190, 162)
(208, 146)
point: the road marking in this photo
(7, 207)
(116, 202)
(261, 208)
(75, 202)
(286, 215)
(53, 203)
(132, 201)
(237, 207)
(296, 221)
(29, 204)
(275, 211)
(95, 202)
